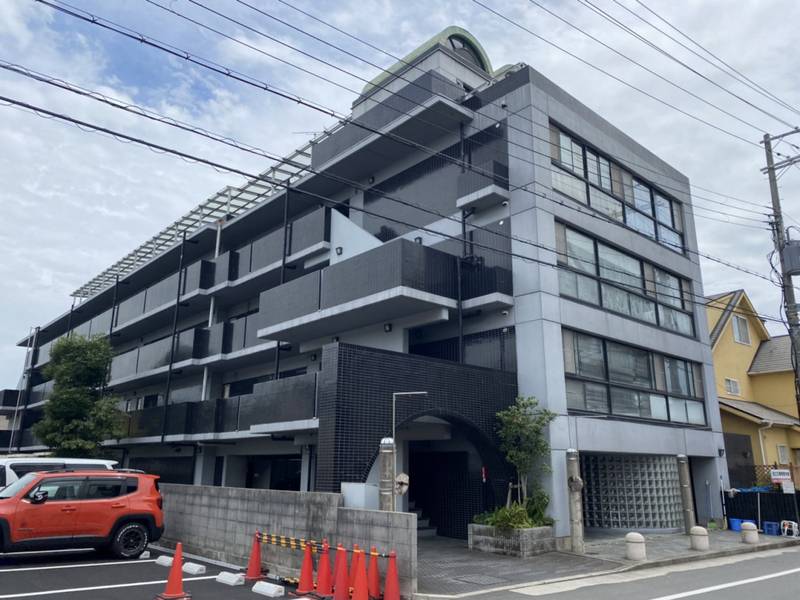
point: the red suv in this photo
(108, 510)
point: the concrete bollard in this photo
(698, 538)
(749, 533)
(635, 547)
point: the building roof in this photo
(727, 311)
(774, 355)
(734, 299)
(760, 412)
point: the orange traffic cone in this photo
(353, 566)
(341, 590)
(324, 584)
(391, 587)
(254, 572)
(374, 575)
(306, 585)
(174, 589)
(361, 586)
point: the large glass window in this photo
(626, 285)
(605, 186)
(638, 383)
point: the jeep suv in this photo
(116, 511)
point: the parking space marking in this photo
(100, 587)
(101, 564)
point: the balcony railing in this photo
(289, 399)
(8, 398)
(156, 354)
(395, 264)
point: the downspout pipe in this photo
(768, 425)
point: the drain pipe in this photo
(768, 425)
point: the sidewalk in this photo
(447, 569)
(670, 548)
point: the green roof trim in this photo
(440, 38)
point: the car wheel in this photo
(130, 541)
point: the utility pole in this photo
(779, 239)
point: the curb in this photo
(777, 545)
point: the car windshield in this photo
(20, 484)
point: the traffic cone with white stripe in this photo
(174, 589)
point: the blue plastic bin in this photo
(736, 524)
(771, 528)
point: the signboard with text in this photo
(778, 475)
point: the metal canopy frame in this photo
(228, 202)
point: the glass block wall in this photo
(631, 491)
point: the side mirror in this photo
(39, 497)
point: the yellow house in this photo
(755, 386)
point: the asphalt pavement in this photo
(89, 575)
(773, 575)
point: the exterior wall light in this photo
(339, 250)
(387, 327)
(371, 179)
(418, 239)
(313, 357)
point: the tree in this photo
(79, 414)
(522, 430)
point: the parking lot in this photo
(91, 576)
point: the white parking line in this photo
(724, 586)
(99, 587)
(102, 564)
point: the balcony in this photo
(398, 279)
(8, 398)
(275, 406)
(484, 186)
(151, 361)
(420, 113)
(255, 266)
(153, 306)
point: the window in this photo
(619, 267)
(59, 489)
(605, 186)
(783, 454)
(102, 489)
(741, 333)
(732, 386)
(637, 383)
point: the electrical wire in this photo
(742, 78)
(161, 149)
(152, 115)
(243, 78)
(357, 93)
(411, 65)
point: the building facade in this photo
(756, 389)
(469, 234)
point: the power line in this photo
(161, 149)
(673, 58)
(639, 64)
(330, 64)
(742, 77)
(612, 76)
(407, 64)
(264, 86)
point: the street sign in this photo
(778, 475)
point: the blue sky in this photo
(75, 202)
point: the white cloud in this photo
(74, 202)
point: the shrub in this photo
(506, 517)
(536, 506)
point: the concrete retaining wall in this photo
(515, 542)
(219, 522)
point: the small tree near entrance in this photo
(522, 430)
(79, 414)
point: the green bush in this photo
(517, 516)
(536, 506)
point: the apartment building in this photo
(470, 234)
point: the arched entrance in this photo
(446, 459)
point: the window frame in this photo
(648, 292)
(695, 396)
(729, 389)
(783, 452)
(628, 204)
(737, 333)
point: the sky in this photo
(73, 202)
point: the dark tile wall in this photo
(355, 390)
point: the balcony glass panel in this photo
(266, 250)
(154, 355)
(161, 293)
(123, 365)
(289, 399)
(308, 230)
(131, 308)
